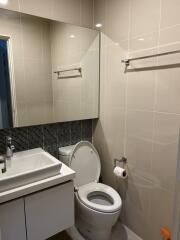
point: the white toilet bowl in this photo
(97, 210)
(97, 206)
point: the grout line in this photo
(126, 85)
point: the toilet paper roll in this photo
(120, 172)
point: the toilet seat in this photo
(100, 197)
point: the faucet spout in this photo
(9, 147)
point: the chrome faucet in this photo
(9, 147)
(8, 155)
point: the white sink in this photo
(28, 167)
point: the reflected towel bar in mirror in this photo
(69, 70)
(128, 60)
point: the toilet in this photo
(97, 206)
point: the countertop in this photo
(66, 174)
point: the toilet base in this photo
(90, 232)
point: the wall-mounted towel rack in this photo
(128, 60)
(69, 70)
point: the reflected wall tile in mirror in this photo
(11, 27)
(64, 134)
(35, 137)
(20, 138)
(39, 98)
(75, 132)
(19, 77)
(32, 36)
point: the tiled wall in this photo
(49, 137)
(140, 110)
(78, 12)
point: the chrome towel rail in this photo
(69, 70)
(128, 60)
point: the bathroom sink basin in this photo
(28, 167)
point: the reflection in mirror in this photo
(5, 96)
(49, 71)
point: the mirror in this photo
(49, 71)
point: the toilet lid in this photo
(85, 162)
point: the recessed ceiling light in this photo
(72, 36)
(141, 39)
(98, 25)
(3, 2)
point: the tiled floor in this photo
(120, 232)
(61, 236)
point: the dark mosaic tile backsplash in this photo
(50, 136)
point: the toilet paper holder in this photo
(122, 160)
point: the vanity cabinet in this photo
(38, 216)
(12, 220)
(49, 212)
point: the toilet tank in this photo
(65, 153)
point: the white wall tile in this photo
(118, 22)
(78, 12)
(11, 5)
(145, 16)
(41, 8)
(170, 13)
(141, 90)
(164, 160)
(168, 89)
(149, 137)
(67, 11)
(87, 8)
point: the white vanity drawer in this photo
(50, 211)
